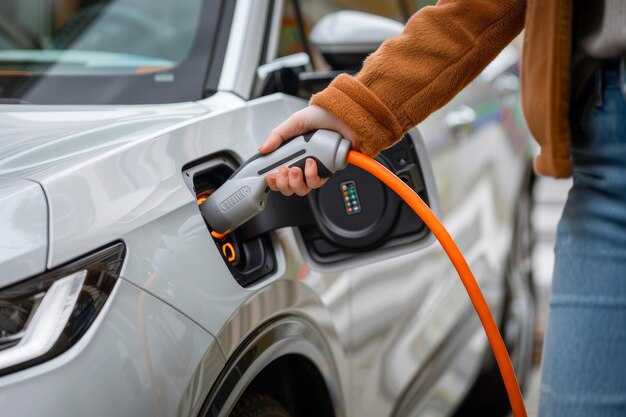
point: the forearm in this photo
(441, 50)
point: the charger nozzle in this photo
(244, 194)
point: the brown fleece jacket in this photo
(441, 50)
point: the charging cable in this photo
(420, 208)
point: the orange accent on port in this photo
(229, 252)
(218, 235)
(202, 199)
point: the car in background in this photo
(117, 118)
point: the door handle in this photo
(461, 120)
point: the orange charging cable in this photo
(420, 208)
(460, 264)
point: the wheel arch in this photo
(284, 318)
(286, 358)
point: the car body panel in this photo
(117, 191)
(135, 359)
(39, 140)
(394, 346)
(288, 319)
(23, 230)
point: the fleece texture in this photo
(441, 50)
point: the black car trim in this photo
(227, 12)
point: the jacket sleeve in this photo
(441, 49)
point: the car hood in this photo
(99, 171)
(38, 144)
(36, 138)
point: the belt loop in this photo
(598, 82)
(622, 74)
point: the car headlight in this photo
(42, 317)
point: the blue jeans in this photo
(584, 353)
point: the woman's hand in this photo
(292, 180)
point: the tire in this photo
(258, 405)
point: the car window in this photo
(290, 40)
(115, 43)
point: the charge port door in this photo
(355, 214)
(353, 219)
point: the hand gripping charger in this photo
(244, 194)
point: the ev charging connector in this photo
(244, 194)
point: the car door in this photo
(402, 317)
(426, 346)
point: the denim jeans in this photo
(584, 353)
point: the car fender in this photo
(274, 322)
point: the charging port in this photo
(249, 257)
(352, 215)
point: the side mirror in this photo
(346, 38)
(281, 75)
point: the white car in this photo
(117, 117)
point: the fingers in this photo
(313, 180)
(282, 181)
(271, 181)
(296, 182)
(273, 141)
(289, 181)
(290, 128)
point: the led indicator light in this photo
(351, 198)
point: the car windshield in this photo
(105, 51)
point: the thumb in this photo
(290, 128)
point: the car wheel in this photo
(258, 405)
